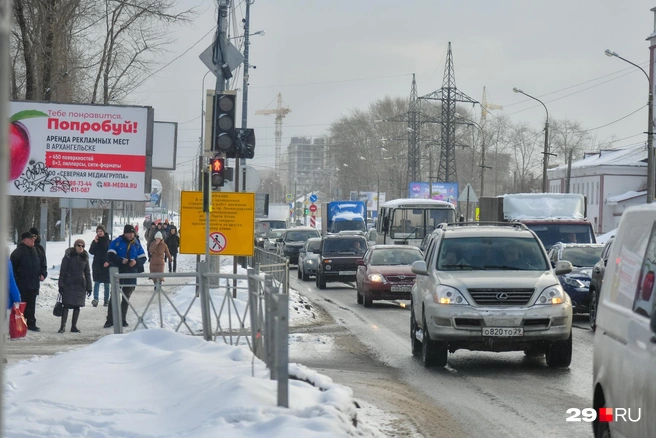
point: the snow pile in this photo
(154, 383)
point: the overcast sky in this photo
(329, 57)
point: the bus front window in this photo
(438, 216)
(407, 224)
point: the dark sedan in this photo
(577, 283)
(597, 280)
(384, 273)
(292, 240)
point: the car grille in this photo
(396, 279)
(501, 297)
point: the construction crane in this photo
(280, 113)
(486, 107)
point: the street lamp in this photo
(650, 140)
(545, 152)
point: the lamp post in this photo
(650, 150)
(545, 152)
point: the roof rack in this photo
(519, 225)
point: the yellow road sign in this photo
(232, 223)
(478, 214)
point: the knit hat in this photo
(158, 235)
(128, 229)
(26, 235)
(101, 227)
(78, 242)
(34, 231)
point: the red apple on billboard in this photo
(19, 142)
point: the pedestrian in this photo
(127, 254)
(29, 273)
(173, 242)
(74, 283)
(158, 251)
(165, 228)
(100, 265)
(39, 249)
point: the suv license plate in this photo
(401, 288)
(346, 272)
(503, 332)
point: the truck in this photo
(554, 217)
(339, 216)
(277, 217)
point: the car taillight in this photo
(648, 286)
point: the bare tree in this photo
(569, 140)
(525, 145)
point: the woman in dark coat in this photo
(74, 283)
(100, 265)
(173, 242)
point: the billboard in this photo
(165, 145)
(442, 191)
(79, 151)
(371, 198)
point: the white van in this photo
(625, 340)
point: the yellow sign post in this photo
(478, 213)
(232, 223)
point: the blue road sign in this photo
(313, 198)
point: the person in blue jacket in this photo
(126, 253)
(13, 297)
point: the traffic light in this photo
(217, 165)
(225, 134)
(306, 211)
(247, 143)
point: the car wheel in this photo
(359, 297)
(415, 345)
(304, 276)
(593, 309)
(321, 281)
(432, 353)
(298, 273)
(367, 301)
(559, 353)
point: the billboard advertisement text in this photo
(442, 191)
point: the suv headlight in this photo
(551, 295)
(376, 278)
(573, 282)
(309, 262)
(449, 295)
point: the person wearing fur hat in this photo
(158, 252)
(126, 253)
(29, 272)
(74, 283)
(100, 265)
(40, 250)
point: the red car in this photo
(384, 273)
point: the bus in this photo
(407, 221)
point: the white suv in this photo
(489, 287)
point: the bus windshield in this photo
(415, 223)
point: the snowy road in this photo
(488, 394)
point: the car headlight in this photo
(551, 295)
(573, 282)
(309, 262)
(449, 295)
(376, 278)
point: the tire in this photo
(593, 309)
(367, 301)
(359, 298)
(321, 281)
(304, 276)
(298, 273)
(559, 353)
(415, 345)
(432, 353)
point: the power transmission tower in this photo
(414, 159)
(280, 113)
(448, 95)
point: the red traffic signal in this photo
(217, 166)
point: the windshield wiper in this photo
(506, 268)
(465, 266)
(412, 233)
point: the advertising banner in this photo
(442, 191)
(371, 198)
(78, 151)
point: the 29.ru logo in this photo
(606, 415)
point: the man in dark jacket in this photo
(29, 273)
(39, 248)
(98, 249)
(126, 253)
(173, 242)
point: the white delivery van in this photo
(625, 340)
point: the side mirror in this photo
(605, 261)
(563, 267)
(419, 267)
(359, 262)
(316, 251)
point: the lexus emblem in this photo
(502, 296)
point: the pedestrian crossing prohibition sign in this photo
(218, 242)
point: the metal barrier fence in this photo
(271, 263)
(266, 307)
